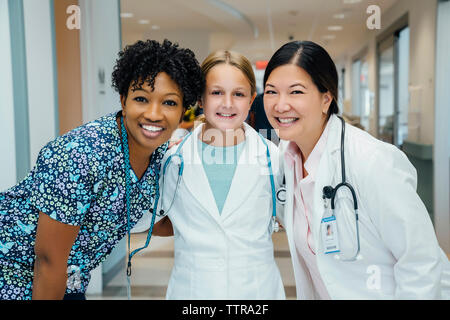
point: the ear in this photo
(326, 102)
(123, 101)
(200, 103)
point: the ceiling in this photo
(243, 25)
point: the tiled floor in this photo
(152, 268)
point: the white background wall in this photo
(99, 45)
(442, 129)
(41, 91)
(7, 142)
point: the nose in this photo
(227, 101)
(281, 104)
(153, 112)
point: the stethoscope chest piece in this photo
(275, 226)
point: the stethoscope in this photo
(274, 225)
(127, 200)
(330, 193)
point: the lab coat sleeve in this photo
(163, 177)
(403, 223)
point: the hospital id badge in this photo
(330, 237)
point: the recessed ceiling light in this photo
(144, 21)
(335, 28)
(126, 15)
(351, 1)
(329, 37)
(155, 27)
(339, 16)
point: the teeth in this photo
(225, 114)
(287, 120)
(152, 128)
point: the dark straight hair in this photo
(315, 60)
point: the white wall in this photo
(442, 129)
(99, 45)
(7, 142)
(40, 75)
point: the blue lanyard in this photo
(126, 154)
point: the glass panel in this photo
(355, 88)
(364, 95)
(386, 95)
(403, 93)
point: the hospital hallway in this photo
(152, 267)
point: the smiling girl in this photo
(221, 209)
(67, 215)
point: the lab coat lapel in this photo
(194, 176)
(327, 173)
(251, 168)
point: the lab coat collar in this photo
(251, 168)
(246, 175)
(327, 173)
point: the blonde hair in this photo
(234, 59)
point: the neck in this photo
(219, 138)
(307, 144)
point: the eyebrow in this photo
(173, 94)
(167, 94)
(294, 85)
(140, 89)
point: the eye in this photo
(140, 99)
(297, 92)
(239, 94)
(216, 92)
(270, 92)
(171, 103)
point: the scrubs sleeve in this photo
(403, 224)
(63, 181)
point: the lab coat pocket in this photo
(209, 280)
(346, 226)
(179, 287)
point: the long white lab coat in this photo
(228, 255)
(400, 257)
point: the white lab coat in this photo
(228, 255)
(400, 257)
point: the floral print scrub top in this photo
(78, 180)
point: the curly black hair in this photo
(142, 61)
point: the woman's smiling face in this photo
(151, 115)
(293, 104)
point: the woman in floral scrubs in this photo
(67, 215)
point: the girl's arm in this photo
(53, 243)
(163, 228)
